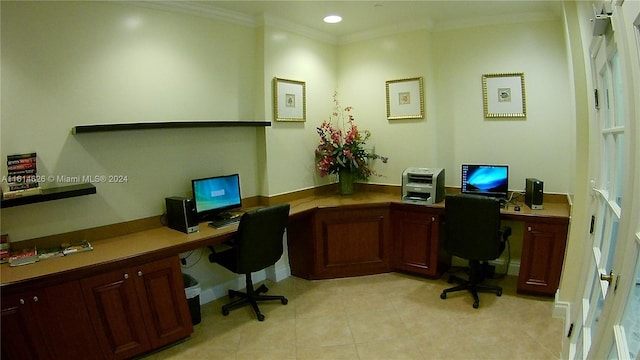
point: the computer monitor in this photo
(488, 180)
(215, 196)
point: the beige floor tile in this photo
(336, 352)
(376, 325)
(397, 349)
(257, 335)
(326, 330)
(386, 316)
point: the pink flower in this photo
(342, 145)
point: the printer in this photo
(422, 186)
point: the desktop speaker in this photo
(181, 214)
(533, 193)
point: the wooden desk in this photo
(368, 233)
(162, 242)
(328, 236)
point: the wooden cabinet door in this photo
(542, 257)
(48, 323)
(117, 319)
(163, 301)
(416, 242)
(138, 309)
(352, 242)
(20, 335)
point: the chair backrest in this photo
(259, 239)
(472, 225)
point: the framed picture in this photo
(405, 99)
(289, 100)
(503, 95)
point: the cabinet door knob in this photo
(140, 273)
(529, 228)
(21, 301)
(35, 299)
(433, 218)
(126, 276)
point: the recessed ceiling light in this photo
(332, 19)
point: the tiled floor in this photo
(387, 316)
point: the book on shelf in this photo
(47, 253)
(23, 256)
(20, 193)
(13, 186)
(30, 160)
(4, 248)
(19, 167)
(76, 247)
(22, 156)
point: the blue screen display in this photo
(215, 194)
(490, 180)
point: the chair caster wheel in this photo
(499, 293)
(450, 280)
(476, 304)
(225, 312)
(260, 317)
(443, 295)
(284, 301)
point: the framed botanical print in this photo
(503, 95)
(405, 99)
(289, 100)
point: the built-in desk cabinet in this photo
(542, 257)
(113, 315)
(48, 323)
(139, 308)
(339, 242)
(417, 246)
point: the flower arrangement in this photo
(342, 146)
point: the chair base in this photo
(473, 285)
(251, 297)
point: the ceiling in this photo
(362, 17)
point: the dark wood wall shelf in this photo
(81, 129)
(50, 194)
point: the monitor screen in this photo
(489, 180)
(214, 195)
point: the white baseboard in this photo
(218, 291)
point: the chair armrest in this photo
(219, 248)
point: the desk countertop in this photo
(163, 241)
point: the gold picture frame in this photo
(503, 95)
(405, 99)
(289, 100)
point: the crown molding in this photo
(282, 24)
(386, 31)
(493, 20)
(269, 20)
(197, 9)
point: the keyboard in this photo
(220, 223)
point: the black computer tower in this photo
(534, 193)
(181, 214)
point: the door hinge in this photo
(570, 330)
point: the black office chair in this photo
(473, 232)
(257, 245)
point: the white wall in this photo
(454, 130)
(290, 145)
(539, 146)
(364, 68)
(72, 63)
